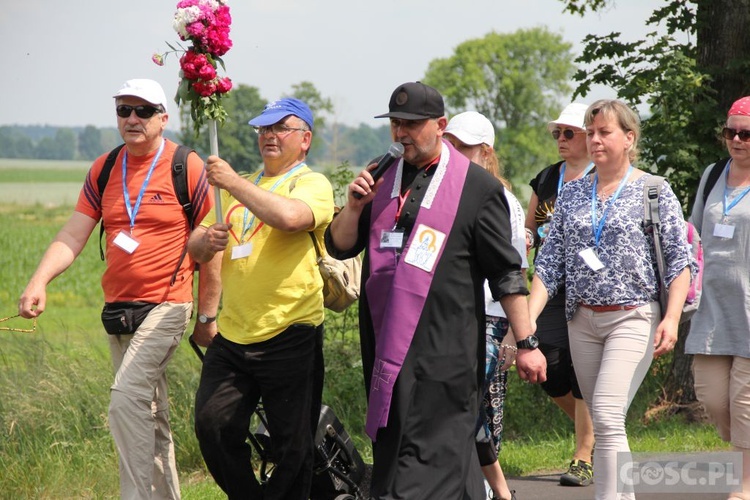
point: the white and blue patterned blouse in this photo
(629, 273)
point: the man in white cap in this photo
(569, 132)
(147, 282)
(271, 321)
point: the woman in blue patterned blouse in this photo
(598, 249)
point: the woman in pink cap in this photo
(719, 335)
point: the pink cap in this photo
(740, 107)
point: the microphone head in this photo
(396, 150)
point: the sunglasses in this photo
(142, 111)
(729, 133)
(567, 133)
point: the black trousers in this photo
(287, 373)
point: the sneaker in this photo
(580, 473)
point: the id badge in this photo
(126, 242)
(591, 259)
(392, 239)
(425, 247)
(724, 231)
(242, 251)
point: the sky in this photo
(65, 59)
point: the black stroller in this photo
(339, 471)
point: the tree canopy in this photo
(516, 80)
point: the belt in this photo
(610, 308)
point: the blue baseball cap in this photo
(276, 111)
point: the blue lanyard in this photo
(247, 225)
(729, 206)
(560, 181)
(133, 210)
(598, 227)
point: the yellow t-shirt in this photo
(278, 284)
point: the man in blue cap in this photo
(267, 341)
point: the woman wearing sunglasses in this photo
(552, 330)
(720, 329)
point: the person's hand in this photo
(33, 301)
(219, 173)
(508, 355)
(204, 333)
(216, 237)
(531, 365)
(364, 185)
(665, 337)
(529, 240)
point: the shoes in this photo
(580, 473)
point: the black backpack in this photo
(179, 182)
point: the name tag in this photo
(242, 251)
(392, 239)
(724, 231)
(591, 259)
(126, 242)
(425, 248)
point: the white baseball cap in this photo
(572, 116)
(148, 90)
(472, 128)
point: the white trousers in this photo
(611, 353)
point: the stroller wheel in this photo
(345, 496)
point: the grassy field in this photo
(54, 383)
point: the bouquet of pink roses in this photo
(205, 24)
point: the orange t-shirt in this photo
(161, 227)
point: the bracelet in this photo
(509, 347)
(531, 235)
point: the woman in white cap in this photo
(473, 135)
(552, 330)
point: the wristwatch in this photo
(202, 318)
(531, 342)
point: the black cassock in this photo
(427, 449)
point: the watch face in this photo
(533, 341)
(203, 318)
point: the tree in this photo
(306, 92)
(516, 80)
(689, 86)
(90, 143)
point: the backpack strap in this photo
(713, 176)
(180, 184)
(652, 222)
(101, 183)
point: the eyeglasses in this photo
(729, 133)
(142, 111)
(15, 329)
(277, 129)
(567, 133)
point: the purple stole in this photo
(397, 290)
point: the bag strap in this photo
(652, 221)
(101, 183)
(713, 176)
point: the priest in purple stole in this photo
(433, 229)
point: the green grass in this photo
(54, 388)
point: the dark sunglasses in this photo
(729, 133)
(142, 111)
(567, 133)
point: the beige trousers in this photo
(139, 408)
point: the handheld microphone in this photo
(395, 152)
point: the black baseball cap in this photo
(415, 101)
